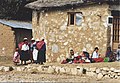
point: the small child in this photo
(16, 57)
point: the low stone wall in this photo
(98, 73)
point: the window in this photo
(110, 20)
(75, 18)
(71, 19)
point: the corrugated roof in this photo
(16, 24)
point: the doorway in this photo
(116, 29)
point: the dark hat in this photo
(96, 48)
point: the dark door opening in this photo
(116, 29)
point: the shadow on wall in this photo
(22, 33)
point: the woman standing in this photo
(24, 55)
(35, 51)
(32, 46)
(41, 46)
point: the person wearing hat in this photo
(41, 46)
(32, 46)
(118, 53)
(86, 56)
(24, 51)
(35, 51)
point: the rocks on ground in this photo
(99, 73)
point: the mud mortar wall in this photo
(7, 42)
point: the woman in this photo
(95, 56)
(24, 55)
(41, 46)
(109, 57)
(85, 56)
(70, 58)
(32, 46)
(35, 51)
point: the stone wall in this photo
(7, 42)
(60, 37)
(98, 73)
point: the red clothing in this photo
(40, 44)
(16, 57)
(64, 62)
(20, 45)
(98, 59)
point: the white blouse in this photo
(95, 55)
(25, 47)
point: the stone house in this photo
(11, 33)
(76, 24)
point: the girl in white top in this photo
(25, 47)
(95, 53)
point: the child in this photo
(16, 57)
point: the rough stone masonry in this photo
(60, 37)
(98, 73)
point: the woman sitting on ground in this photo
(70, 58)
(83, 57)
(109, 56)
(95, 56)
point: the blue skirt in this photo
(24, 56)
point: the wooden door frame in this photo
(117, 25)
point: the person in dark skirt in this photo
(32, 46)
(24, 51)
(41, 46)
(109, 56)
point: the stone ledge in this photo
(98, 73)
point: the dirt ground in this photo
(52, 78)
(14, 76)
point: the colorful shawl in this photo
(40, 44)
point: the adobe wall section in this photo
(7, 42)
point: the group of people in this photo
(34, 50)
(85, 57)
